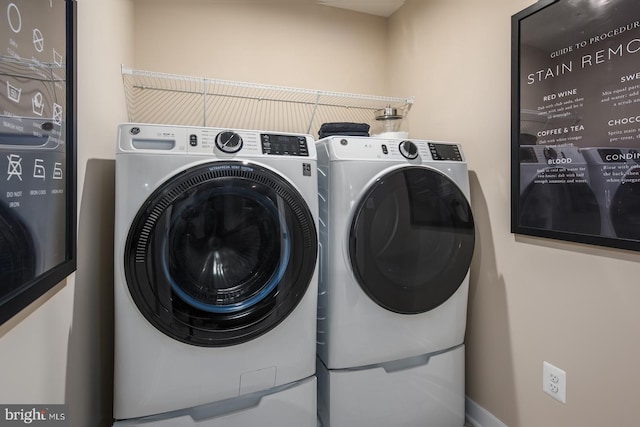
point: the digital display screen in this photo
(284, 145)
(445, 152)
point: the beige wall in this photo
(531, 299)
(278, 42)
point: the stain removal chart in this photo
(576, 121)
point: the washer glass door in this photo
(221, 254)
(411, 240)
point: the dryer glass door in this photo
(221, 254)
(411, 240)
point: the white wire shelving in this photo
(154, 97)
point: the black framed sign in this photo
(37, 149)
(575, 134)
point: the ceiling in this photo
(384, 8)
(373, 7)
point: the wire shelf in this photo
(154, 97)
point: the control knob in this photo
(228, 142)
(408, 149)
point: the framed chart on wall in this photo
(575, 131)
(37, 149)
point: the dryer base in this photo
(430, 395)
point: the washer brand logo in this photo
(134, 131)
(52, 415)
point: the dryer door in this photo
(221, 253)
(411, 240)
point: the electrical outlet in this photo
(554, 382)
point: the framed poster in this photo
(575, 134)
(37, 149)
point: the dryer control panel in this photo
(407, 150)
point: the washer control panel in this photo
(224, 143)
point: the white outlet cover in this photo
(554, 382)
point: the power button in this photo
(385, 150)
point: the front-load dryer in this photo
(396, 238)
(215, 277)
(556, 190)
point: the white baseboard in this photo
(477, 416)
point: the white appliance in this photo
(556, 190)
(615, 180)
(215, 277)
(396, 241)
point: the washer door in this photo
(221, 254)
(411, 240)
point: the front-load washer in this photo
(215, 276)
(396, 242)
(615, 179)
(556, 190)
